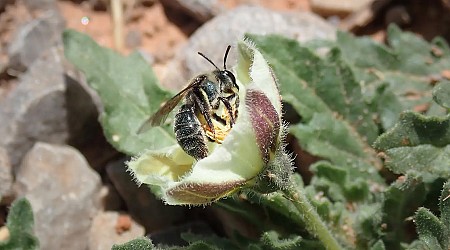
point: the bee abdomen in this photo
(189, 133)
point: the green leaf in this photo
(334, 182)
(405, 67)
(272, 240)
(197, 241)
(434, 232)
(441, 94)
(128, 89)
(379, 245)
(20, 223)
(444, 206)
(401, 200)
(142, 243)
(336, 121)
(418, 146)
(431, 230)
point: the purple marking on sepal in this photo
(265, 121)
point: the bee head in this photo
(225, 77)
(227, 81)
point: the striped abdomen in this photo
(189, 133)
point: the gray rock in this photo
(200, 10)
(63, 192)
(38, 5)
(6, 177)
(213, 37)
(35, 37)
(141, 203)
(35, 109)
(104, 232)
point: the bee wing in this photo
(161, 115)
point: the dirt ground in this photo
(159, 31)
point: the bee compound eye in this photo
(231, 76)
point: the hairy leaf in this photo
(336, 121)
(142, 243)
(434, 232)
(441, 94)
(128, 89)
(431, 230)
(20, 223)
(418, 146)
(401, 200)
(407, 67)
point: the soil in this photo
(159, 31)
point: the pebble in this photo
(145, 208)
(226, 29)
(104, 234)
(63, 192)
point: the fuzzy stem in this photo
(314, 223)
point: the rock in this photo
(35, 37)
(38, 5)
(63, 192)
(104, 234)
(200, 10)
(398, 15)
(337, 7)
(35, 109)
(85, 132)
(214, 36)
(6, 177)
(141, 203)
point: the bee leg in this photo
(205, 109)
(226, 102)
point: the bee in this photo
(208, 111)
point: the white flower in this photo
(242, 160)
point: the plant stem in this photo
(118, 24)
(315, 225)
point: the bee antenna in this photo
(207, 59)
(225, 57)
